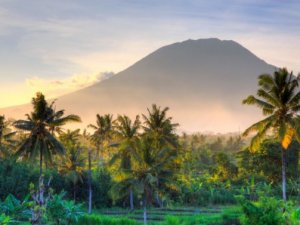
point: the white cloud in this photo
(56, 87)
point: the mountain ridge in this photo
(205, 79)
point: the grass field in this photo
(205, 215)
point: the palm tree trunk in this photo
(41, 163)
(145, 210)
(98, 149)
(41, 180)
(131, 199)
(90, 182)
(283, 160)
(74, 191)
(159, 201)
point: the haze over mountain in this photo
(202, 81)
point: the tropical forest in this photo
(122, 170)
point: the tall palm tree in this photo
(278, 97)
(40, 141)
(160, 129)
(126, 132)
(150, 166)
(102, 131)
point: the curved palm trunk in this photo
(283, 160)
(90, 182)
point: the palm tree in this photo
(70, 138)
(102, 131)
(40, 141)
(157, 120)
(7, 141)
(126, 132)
(279, 99)
(150, 166)
(57, 119)
(73, 163)
(160, 129)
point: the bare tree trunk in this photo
(283, 160)
(131, 199)
(90, 181)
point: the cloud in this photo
(56, 87)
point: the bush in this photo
(13, 208)
(202, 192)
(267, 211)
(62, 211)
(16, 177)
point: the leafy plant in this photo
(267, 211)
(4, 220)
(16, 209)
(63, 212)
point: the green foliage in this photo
(101, 184)
(172, 220)
(228, 217)
(103, 220)
(5, 220)
(268, 211)
(225, 169)
(202, 192)
(16, 209)
(266, 160)
(295, 216)
(62, 211)
(15, 178)
(57, 211)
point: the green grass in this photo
(176, 216)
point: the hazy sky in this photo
(58, 46)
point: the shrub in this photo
(62, 211)
(267, 211)
(17, 210)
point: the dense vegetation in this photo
(50, 175)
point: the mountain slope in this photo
(202, 81)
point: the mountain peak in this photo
(202, 81)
